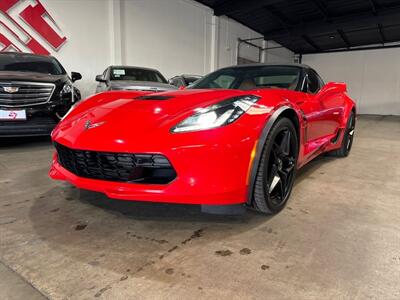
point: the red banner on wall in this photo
(28, 27)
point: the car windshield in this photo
(251, 77)
(136, 74)
(30, 63)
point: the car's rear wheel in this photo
(348, 137)
(277, 168)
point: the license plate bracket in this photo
(13, 115)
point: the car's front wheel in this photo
(277, 168)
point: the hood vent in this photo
(154, 97)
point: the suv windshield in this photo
(136, 74)
(30, 63)
(252, 77)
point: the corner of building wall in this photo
(116, 31)
(214, 43)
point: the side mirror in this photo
(75, 76)
(100, 78)
(181, 88)
(170, 81)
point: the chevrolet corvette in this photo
(234, 138)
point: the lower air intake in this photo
(121, 167)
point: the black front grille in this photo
(121, 167)
(19, 94)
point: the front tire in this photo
(277, 168)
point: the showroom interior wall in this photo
(372, 76)
(183, 36)
(174, 36)
(85, 24)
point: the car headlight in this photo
(67, 88)
(220, 114)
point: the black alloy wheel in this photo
(350, 132)
(277, 169)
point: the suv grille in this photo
(18, 94)
(121, 167)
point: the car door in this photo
(311, 108)
(318, 111)
(332, 104)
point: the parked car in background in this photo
(183, 80)
(132, 78)
(35, 93)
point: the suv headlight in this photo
(67, 88)
(217, 115)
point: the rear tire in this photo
(348, 137)
(277, 168)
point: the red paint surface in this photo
(212, 165)
(33, 15)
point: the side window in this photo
(321, 82)
(313, 82)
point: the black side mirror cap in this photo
(75, 76)
(100, 78)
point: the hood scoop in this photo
(154, 97)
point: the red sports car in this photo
(234, 138)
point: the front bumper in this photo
(37, 126)
(208, 174)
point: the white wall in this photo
(87, 49)
(228, 33)
(174, 36)
(372, 77)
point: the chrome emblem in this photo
(89, 125)
(10, 89)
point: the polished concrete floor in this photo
(338, 238)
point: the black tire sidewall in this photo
(280, 125)
(344, 149)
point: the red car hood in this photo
(133, 118)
